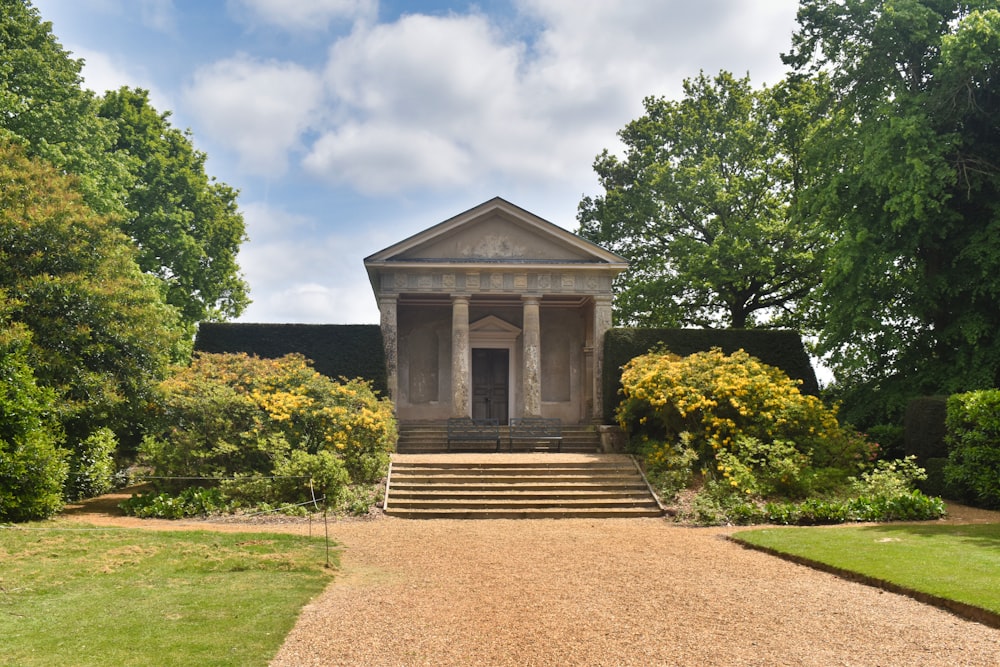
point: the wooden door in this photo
(490, 380)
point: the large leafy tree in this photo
(187, 225)
(703, 206)
(130, 165)
(44, 105)
(909, 183)
(101, 336)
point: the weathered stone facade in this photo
(494, 313)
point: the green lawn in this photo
(72, 596)
(954, 562)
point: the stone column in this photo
(532, 357)
(390, 342)
(602, 322)
(461, 357)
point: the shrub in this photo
(746, 422)
(889, 478)
(92, 465)
(973, 436)
(232, 415)
(669, 467)
(193, 501)
(32, 466)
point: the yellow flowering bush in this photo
(231, 415)
(748, 423)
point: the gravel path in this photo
(605, 592)
(595, 592)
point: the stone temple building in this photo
(494, 314)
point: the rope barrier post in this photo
(326, 526)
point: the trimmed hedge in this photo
(780, 348)
(924, 428)
(336, 350)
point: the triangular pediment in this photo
(496, 232)
(493, 326)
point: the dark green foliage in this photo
(32, 467)
(702, 207)
(888, 438)
(92, 465)
(781, 349)
(935, 484)
(101, 335)
(186, 225)
(45, 109)
(193, 501)
(336, 350)
(924, 427)
(973, 469)
(906, 176)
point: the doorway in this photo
(490, 383)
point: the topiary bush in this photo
(924, 427)
(973, 437)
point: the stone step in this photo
(517, 486)
(425, 437)
(560, 513)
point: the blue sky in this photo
(348, 125)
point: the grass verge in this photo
(95, 596)
(954, 566)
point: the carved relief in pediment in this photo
(493, 246)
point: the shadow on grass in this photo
(979, 535)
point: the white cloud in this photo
(313, 303)
(297, 273)
(257, 108)
(383, 158)
(159, 15)
(265, 222)
(447, 101)
(103, 72)
(303, 15)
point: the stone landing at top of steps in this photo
(521, 486)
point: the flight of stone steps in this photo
(517, 486)
(423, 437)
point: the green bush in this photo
(779, 348)
(269, 426)
(32, 465)
(765, 451)
(746, 421)
(193, 501)
(669, 467)
(92, 466)
(973, 437)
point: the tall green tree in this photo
(703, 207)
(44, 105)
(908, 182)
(131, 165)
(187, 225)
(101, 336)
